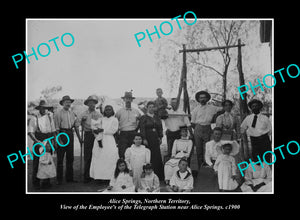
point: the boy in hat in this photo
(201, 119)
(259, 127)
(41, 127)
(128, 118)
(85, 118)
(65, 120)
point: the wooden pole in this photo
(209, 48)
(244, 111)
(182, 77)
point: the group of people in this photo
(124, 147)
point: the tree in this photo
(205, 68)
(47, 93)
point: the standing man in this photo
(173, 124)
(65, 120)
(201, 121)
(89, 137)
(259, 127)
(128, 118)
(41, 127)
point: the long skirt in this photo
(154, 146)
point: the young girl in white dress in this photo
(46, 169)
(104, 158)
(181, 148)
(225, 166)
(136, 157)
(149, 180)
(121, 180)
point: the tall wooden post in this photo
(182, 83)
(244, 111)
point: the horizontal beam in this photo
(209, 48)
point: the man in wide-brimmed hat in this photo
(259, 128)
(89, 138)
(128, 118)
(201, 120)
(65, 120)
(41, 127)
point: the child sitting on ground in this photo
(182, 180)
(121, 181)
(225, 166)
(149, 180)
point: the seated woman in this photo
(181, 148)
(259, 180)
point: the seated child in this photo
(182, 180)
(46, 169)
(149, 181)
(225, 166)
(121, 181)
(181, 148)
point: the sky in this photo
(104, 59)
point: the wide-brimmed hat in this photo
(234, 144)
(91, 97)
(66, 97)
(43, 104)
(255, 101)
(201, 93)
(128, 95)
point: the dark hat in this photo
(184, 127)
(91, 97)
(255, 101)
(66, 97)
(43, 104)
(128, 95)
(200, 93)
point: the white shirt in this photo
(203, 114)
(42, 123)
(263, 125)
(174, 122)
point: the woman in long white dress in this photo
(104, 158)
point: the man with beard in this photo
(201, 121)
(259, 127)
(128, 124)
(65, 120)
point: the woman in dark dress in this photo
(152, 132)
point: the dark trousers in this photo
(89, 139)
(171, 137)
(125, 141)
(260, 145)
(35, 163)
(202, 135)
(69, 151)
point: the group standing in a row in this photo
(115, 135)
